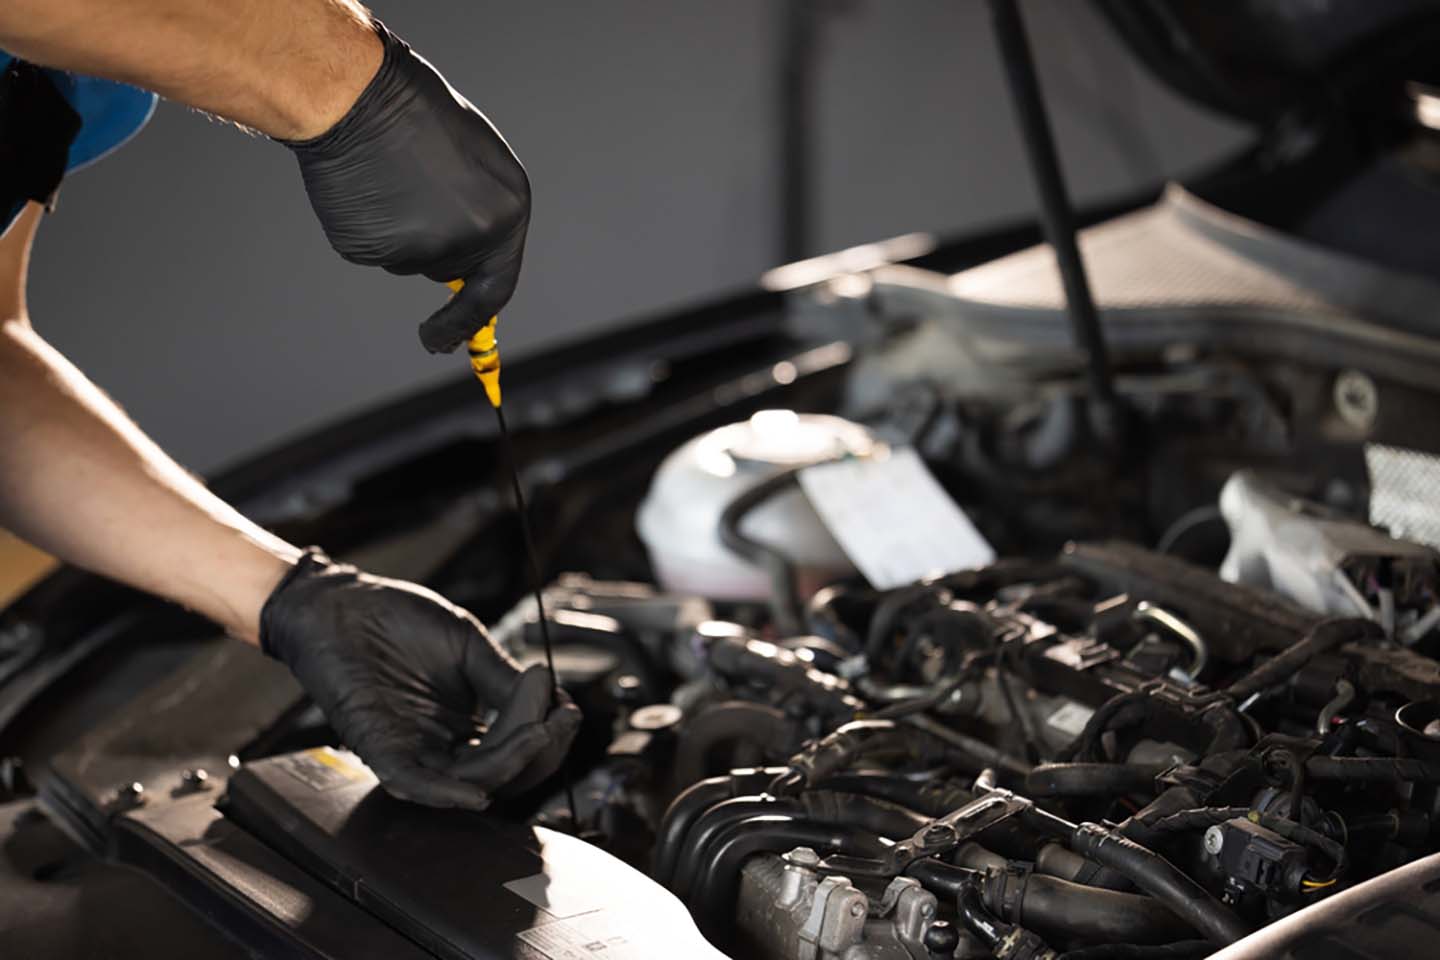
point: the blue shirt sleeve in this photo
(110, 113)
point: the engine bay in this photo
(1109, 747)
(1138, 687)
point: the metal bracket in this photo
(836, 921)
(938, 836)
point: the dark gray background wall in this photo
(187, 277)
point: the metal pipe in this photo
(1146, 612)
(1056, 215)
(1344, 695)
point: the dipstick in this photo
(485, 362)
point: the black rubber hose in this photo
(944, 879)
(1090, 779)
(826, 654)
(680, 816)
(739, 657)
(970, 903)
(970, 754)
(932, 798)
(1171, 801)
(1161, 879)
(1324, 636)
(887, 611)
(1226, 728)
(785, 605)
(1229, 728)
(1373, 769)
(875, 816)
(839, 749)
(1060, 910)
(1019, 717)
(713, 899)
(686, 808)
(1181, 950)
(713, 822)
(1120, 710)
(938, 693)
(1063, 910)
(1198, 818)
(1054, 860)
(728, 722)
(972, 856)
(823, 619)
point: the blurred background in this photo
(188, 277)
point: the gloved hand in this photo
(415, 179)
(403, 676)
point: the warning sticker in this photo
(322, 768)
(590, 936)
(894, 520)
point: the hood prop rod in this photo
(1056, 216)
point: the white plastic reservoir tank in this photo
(679, 519)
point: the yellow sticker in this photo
(322, 768)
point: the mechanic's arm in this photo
(402, 171)
(79, 480)
(400, 673)
(288, 68)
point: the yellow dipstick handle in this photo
(484, 353)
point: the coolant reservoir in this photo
(679, 520)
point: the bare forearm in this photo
(81, 481)
(288, 68)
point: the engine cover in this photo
(464, 886)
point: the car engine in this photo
(1110, 751)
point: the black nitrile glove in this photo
(415, 179)
(404, 676)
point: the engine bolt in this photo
(195, 780)
(857, 909)
(1214, 840)
(803, 857)
(1357, 399)
(129, 795)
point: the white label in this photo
(559, 899)
(590, 936)
(1071, 718)
(893, 519)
